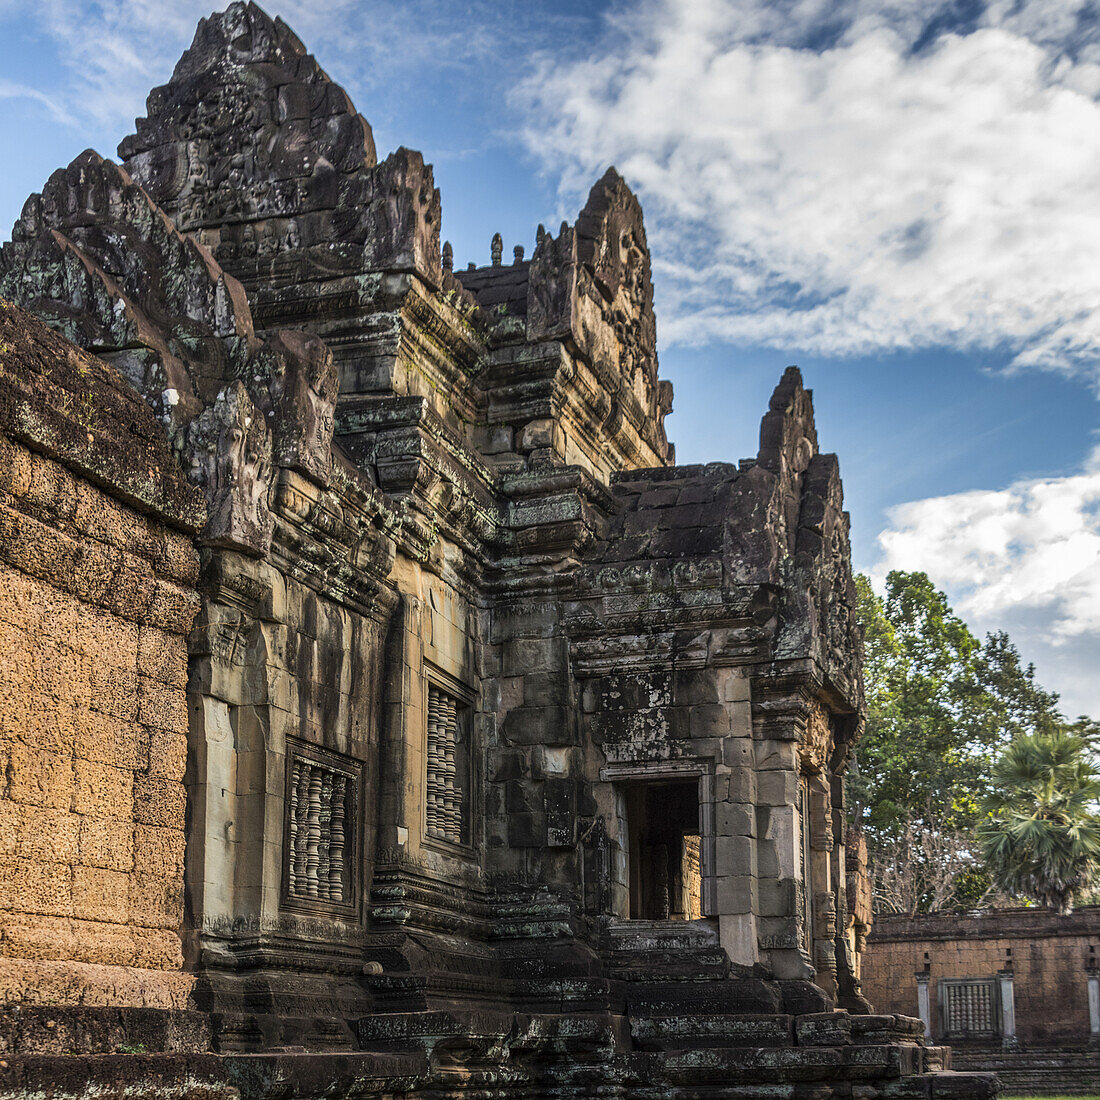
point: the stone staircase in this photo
(1035, 1071)
(654, 1049)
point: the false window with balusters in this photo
(321, 832)
(447, 809)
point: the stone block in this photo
(551, 761)
(734, 856)
(158, 851)
(776, 756)
(156, 948)
(43, 834)
(131, 588)
(100, 790)
(173, 607)
(525, 655)
(32, 886)
(738, 785)
(37, 778)
(545, 689)
(734, 685)
(827, 1029)
(535, 434)
(158, 802)
(737, 894)
(114, 691)
(161, 656)
(105, 842)
(737, 932)
(734, 819)
(777, 788)
(538, 726)
(101, 894)
(692, 687)
(155, 902)
(527, 830)
(162, 706)
(737, 752)
(522, 796)
(497, 440)
(709, 720)
(167, 755)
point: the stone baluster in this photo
(324, 854)
(292, 831)
(336, 846)
(434, 799)
(449, 771)
(313, 832)
(298, 838)
(443, 801)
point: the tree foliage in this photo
(940, 707)
(1041, 837)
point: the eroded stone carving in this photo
(230, 448)
(296, 383)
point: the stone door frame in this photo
(657, 771)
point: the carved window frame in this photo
(353, 769)
(464, 697)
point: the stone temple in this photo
(385, 713)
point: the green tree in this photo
(940, 707)
(932, 723)
(1041, 838)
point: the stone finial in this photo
(497, 249)
(448, 256)
(539, 234)
(517, 254)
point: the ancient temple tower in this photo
(509, 755)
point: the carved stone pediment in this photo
(93, 255)
(253, 149)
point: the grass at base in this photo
(1060, 1096)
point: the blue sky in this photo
(901, 197)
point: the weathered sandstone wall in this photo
(1049, 957)
(97, 574)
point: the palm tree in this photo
(1041, 837)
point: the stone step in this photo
(838, 1067)
(1068, 1070)
(117, 1077)
(542, 1057)
(711, 1030)
(667, 966)
(673, 935)
(676, 998)
(40, 1029)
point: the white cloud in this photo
(1024, 559)
(847, 178)
(12, 90)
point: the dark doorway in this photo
(663, 828)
